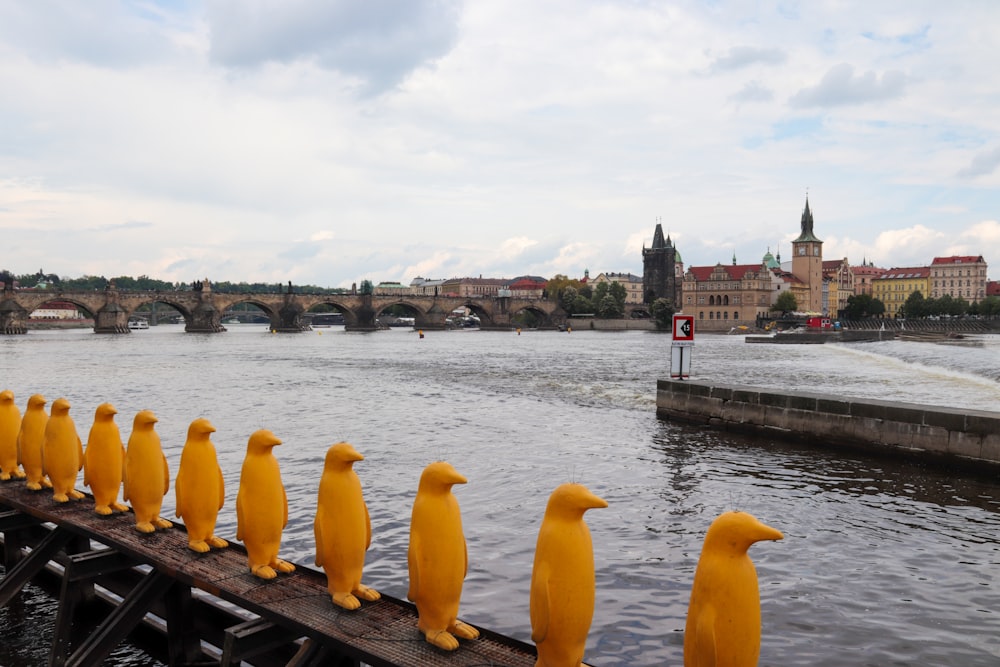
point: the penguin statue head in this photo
(735, 532)
(439, 477)
(37, 402)
(105, 412)
(60, 407)
(570, 501)
(341, 455)
(199, 429)
(262, 441)
(144, 420)
(6, 396)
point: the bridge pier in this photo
(204, 319)
(364, 316)
(12, 316)
(111, 319)
(289, 318)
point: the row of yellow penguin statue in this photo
(723, 620)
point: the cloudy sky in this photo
(328, 141)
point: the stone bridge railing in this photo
(203, 309)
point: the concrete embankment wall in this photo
(905, 429)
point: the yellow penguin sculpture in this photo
(437, 557)
(562, 579)
(723, 620)
(62, 453)
(343, 528)
(104, 461)
(262, 507)
(146, 478)
(10, 426)
(29, 443)
(200, 488)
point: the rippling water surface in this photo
(882, 563)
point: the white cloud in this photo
(840, 87)
(982, 164)
(324, 142)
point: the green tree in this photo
(618, 291)
(663, 314)
(785, 303)
(915, 305)
(609, 308)
(989, 307)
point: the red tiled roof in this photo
(867, 270)
(993, 288)
(734, 271)
(958, 259)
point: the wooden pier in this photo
(211, 609)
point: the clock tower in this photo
(807, 262)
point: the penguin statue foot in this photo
(162, 523)
(19, 474)
(463, 630)
(103, 510)
(75, 495)
(201, 546)
(283, 566)
(60, 497)
(346, 601)
(366, 593)
(118, 507)
(34, 486)
(441, 639)
(46, 484)
(145, 527)
(263, 572)
(217, 542)
(4, 476)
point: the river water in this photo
(883, 563)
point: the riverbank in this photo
(907, 430)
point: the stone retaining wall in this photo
(960, 436)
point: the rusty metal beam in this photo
(120, 622)
(247, 639)
(28, 567)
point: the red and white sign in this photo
(684, 330)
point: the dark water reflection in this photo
(882, 563)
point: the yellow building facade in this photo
(896, 285)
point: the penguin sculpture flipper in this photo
(79, 451)
(705, 640)
(318, 528)
(166, 475)
(239, 518)
(414, 566)
(368, 528)
(284, 497)
(179, 496)
(222, 489)
(125, 485)
(86, 467)
(539, 609)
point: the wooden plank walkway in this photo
(382, 633)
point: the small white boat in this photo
(138, 323)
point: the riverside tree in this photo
(785, 303)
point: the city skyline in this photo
(331, 142)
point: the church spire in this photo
(658, 241)
(807, 226)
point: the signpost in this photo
(680, 363)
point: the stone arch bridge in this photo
(203, 310)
